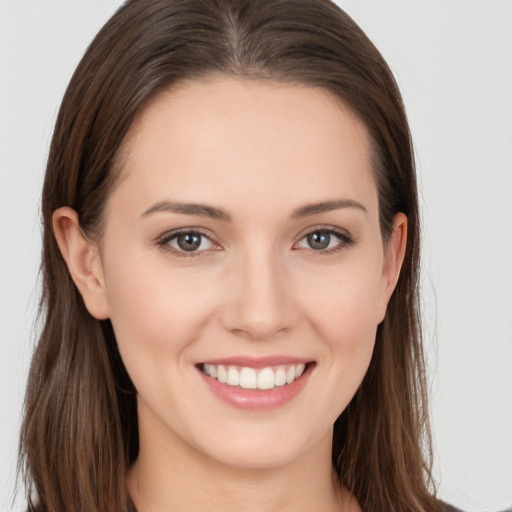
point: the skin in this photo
(259, 151)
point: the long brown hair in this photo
(80, 434)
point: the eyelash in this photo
(345, 241)
(164, 241)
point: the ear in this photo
(83, 260)
(393, 259)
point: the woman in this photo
(231, 249)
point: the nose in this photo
(259, 303)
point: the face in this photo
(243, 268)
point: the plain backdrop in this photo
(453, 62)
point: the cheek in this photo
(155, 312)
(349, 328)
(343, 309)
(344, 302)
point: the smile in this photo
(256, 384)
(251, 378)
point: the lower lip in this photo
(254, 399)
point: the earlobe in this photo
(83, 261)
(393, 259)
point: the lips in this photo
(256, 384)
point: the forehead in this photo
(206, 140)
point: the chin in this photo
(254, 457)
(261, 447)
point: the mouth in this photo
(246, 377)
(256, 384)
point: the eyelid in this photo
(346, 239)
(164, 239)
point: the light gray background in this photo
(453, 62)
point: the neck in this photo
(171, 475)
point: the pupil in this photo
(319, 240)
(189, 241)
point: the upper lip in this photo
(257, 362)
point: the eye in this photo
(187, 243)
(325, 240)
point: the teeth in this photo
(233, 377)
(222, 374)
(280, 377)
(249, 378)
(266, 379)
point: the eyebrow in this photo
(326, 206)
(204, 210)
